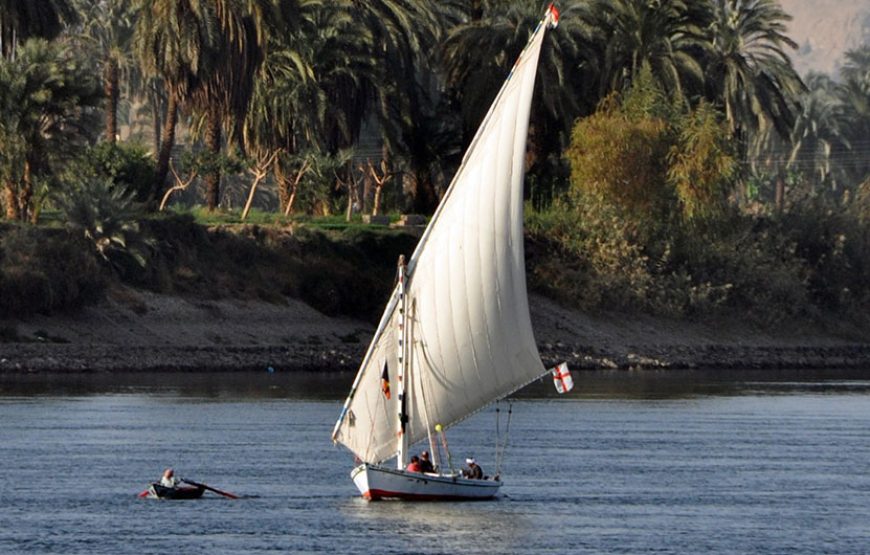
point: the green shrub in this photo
(348, 272)
(107, 216)
(621, 161)
(588, 256)
(125, 164)
(803, 265)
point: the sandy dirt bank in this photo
(137, 331)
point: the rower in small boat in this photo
(168, 480)
(172, 487)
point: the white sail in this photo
(471, 339)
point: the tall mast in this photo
(463, 290)
(401, 460)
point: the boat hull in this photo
(181, 492)
(377, 482)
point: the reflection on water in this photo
(633, 384)
(446, 527)
(677, 384)
(208, 385)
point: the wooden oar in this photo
(208, 487)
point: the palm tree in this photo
(397, 37)
(223, 93)
(336, 65)
(20, 20)
(175, 40)
(857, 65)
(108, 26)
(665, 35)
(407, 91)
(818, 142)
(107, 216)
(749, 72)
(46, 98)
(855, 97)
(479, 54)
(748, 69)
(291, 109)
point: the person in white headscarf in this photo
(472, 470)
(169, 480)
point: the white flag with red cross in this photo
(562, 378)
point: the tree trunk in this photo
(283, 191)
(283, 184)
(11, 193)
(291, 201)
(167, 141)
(112, 94)
(213, 144)
(425, 199)
(156, 111)
(34, 214)
(779, 199)
(376, 204)
(366, 192)
(26, 193)
(351, 193)
(251, 194)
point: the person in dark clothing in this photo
(426, 463)
(472, 470)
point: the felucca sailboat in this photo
(456, 333)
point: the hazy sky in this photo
(825, 29)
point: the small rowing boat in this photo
(183, 489)
(158, 491)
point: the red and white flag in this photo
(562, 378)
(554, 15)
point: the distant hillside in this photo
(825, 30)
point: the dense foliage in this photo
(642, 229)
(342, 272)
(676, 161)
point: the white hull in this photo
(377, 482)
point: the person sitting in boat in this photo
(473, 470)
(169, 480)
(414, 465)
(426, 463)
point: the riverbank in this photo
(139, 331)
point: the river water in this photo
(670, 462)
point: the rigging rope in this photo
(499, 454)
(497, 438)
